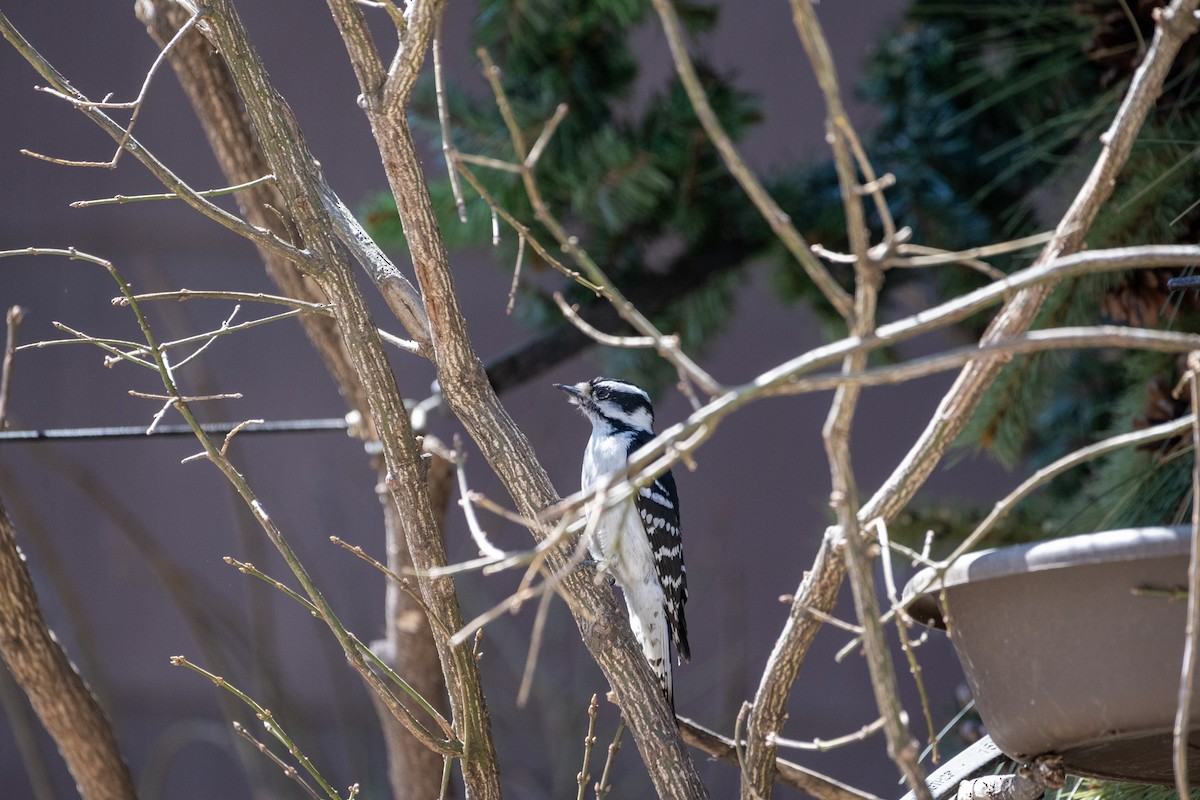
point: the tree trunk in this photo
(63, 702)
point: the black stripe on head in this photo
(626, 396)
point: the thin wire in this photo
(139, 431)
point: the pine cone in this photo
(1118, 50)
(1162, 406)
(1142, 297)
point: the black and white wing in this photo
(658, 506)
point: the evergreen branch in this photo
(570, 244)
(1175, 24)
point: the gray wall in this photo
(753, 512)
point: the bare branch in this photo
(439, 82)
(410, 54)
(62, 700)
(1175, 24)
(1187, 672)
(571, 313)
(12, 321)
(467, 391)
(360, 47)
(260, 236)
(570, 244)
(269, 723)
(823, 745)
(786, 772)
(1040, 478)
(288, 770)
(780, 223)
(589, 741)
(138, 198)
(604, 785)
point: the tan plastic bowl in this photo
(1066, 653)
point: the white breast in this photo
(620, 541)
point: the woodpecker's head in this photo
(616, 404)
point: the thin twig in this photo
(138, 198)
(981, 267)
(288, 770)
(516, 279)
(1187, 672)
(571, 313)
(241, 297)
(570, 244)
(780, 223)
(238, 428)
(539, 147)
(13, 321)
(535, 646)
(268, 720)
(685, 436)
(486, 548)
(136, 104)
(604, 785)
(824, 745)
(169, 179)
(439, 83)
(902, 748)
(1040, 478)
(589, 741)
(403, 583)
(786, 772)
(827, 618)
(903, 620)
(912, 255)
(451, 746)
(523, 230)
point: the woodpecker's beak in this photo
(578, 392)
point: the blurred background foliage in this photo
(990, 115)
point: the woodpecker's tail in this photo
(650, 628)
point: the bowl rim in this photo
(1124, 544)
